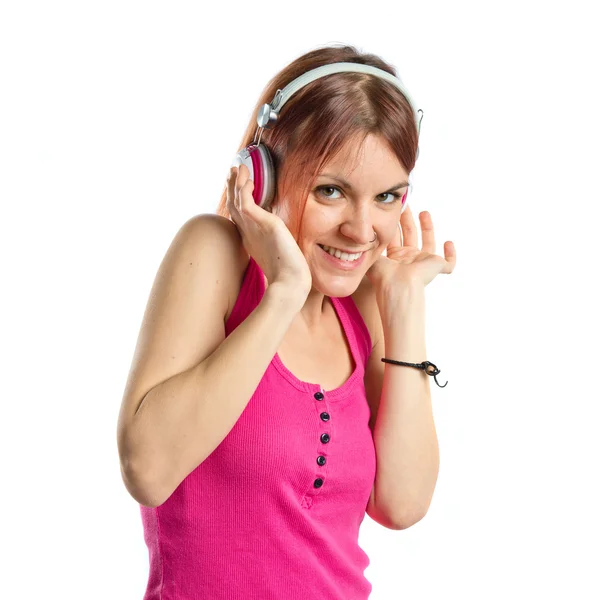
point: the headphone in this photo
(256, 156)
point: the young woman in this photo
(259, 424)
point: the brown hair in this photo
(321, 118)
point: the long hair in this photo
(321, 118)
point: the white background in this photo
(118, 123)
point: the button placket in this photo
(325, 438)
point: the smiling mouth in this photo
(342, 250)
(357, 255)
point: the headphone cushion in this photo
(259, 163)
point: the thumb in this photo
(396, 241)
(374, 272)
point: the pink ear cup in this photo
(404, 201)
(257, 170)
(267, 171)
(260, 164)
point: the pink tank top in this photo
(274, 512)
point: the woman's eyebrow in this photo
(347, 184)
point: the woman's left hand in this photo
(405, 264)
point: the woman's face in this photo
(346, 215)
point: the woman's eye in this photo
(394, 197)
(321, 191)
(326, 187)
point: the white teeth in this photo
(339, 254)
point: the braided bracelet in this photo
(424, 365)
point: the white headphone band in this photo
(269, 113)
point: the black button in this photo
(318, 483)
(325, 437)
(321, 461)
(325, 416)
(319, 396)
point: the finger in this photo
(240, 180)
(427, 234)
(450, 255)
(409, 229)
(230, 187)
(247, 203)
(246, 200)
(396, 240)
(231, 205)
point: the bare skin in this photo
(315, 347)
(347, 218)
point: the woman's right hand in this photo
(266, 237)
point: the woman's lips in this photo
(344, 265)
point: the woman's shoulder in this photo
(224, 235)
(239, 258)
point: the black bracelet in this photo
(422, 365)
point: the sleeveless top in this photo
(274, 511)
